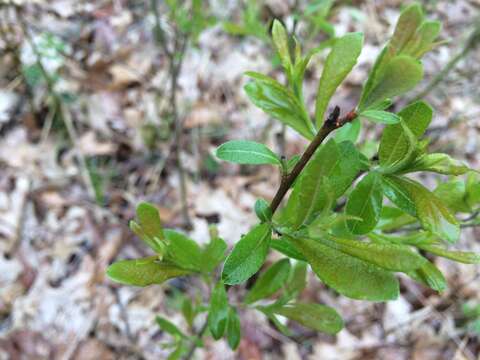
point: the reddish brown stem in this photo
(333, 122)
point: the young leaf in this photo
(395, 143)
(382, 117)
(424, 38)
(247, 152)
(398, 195)
(269, 282)
(430, 210)
(188, 311)
(472, 190)
(143, 272)
(401, 74)
(348, 132)
(407, 24)
(218, 313)
(234, 331)
(149, 219)
(177, 353)
(391, 257)
(285, 246)
(183, 251)
(365, 202)
(169, 327)
(279, 102)
(248, 255)
(314, 316)
(454, 194)
(297, 280)
(263, 211)
(339, 63)
(438, 163)
(274, 319)
(430, 276)
(346, 274)
(150, 229)
(465, 257)
(280, 40)
(154, 243)
(327, 175)
(213, 254)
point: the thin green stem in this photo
(194, 344)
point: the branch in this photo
(332, 123)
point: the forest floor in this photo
(60, 227)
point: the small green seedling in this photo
(355, 222)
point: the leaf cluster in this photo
(354, 221)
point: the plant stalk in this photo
(332, 123)
(194, 346)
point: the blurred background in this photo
(90, 126)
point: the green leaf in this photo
(401, 74)
(340, 61)
(365, 202)
(297, 280)
(285, 246)
(183, 251)
(296, 76)
(188, 311)
(218, 313)
(346, 274)
(149, 219)
(269, 282)
(143, 272)
(454, 194)
(424, 38)
(326, 177)
(379, 116)
(438, 163)
(292, 162)
(154, 243)
(314, 316)
(263, 211)
(150, 228)
(413, 239)
(247, 152)
(430, 276)
(472, 188)
(391, 257)
(234, 331)
(465, 257)
(348, 132)
(430, 210)
(398, 195)
(213, 254)
(274, 319)
(407, 24)
(392, 218)
(248, 255)
(177, 353)
(280, 40)
(395, 143)
(169, 327)
(279, 102)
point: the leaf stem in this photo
(194, 343)
(333, 122)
